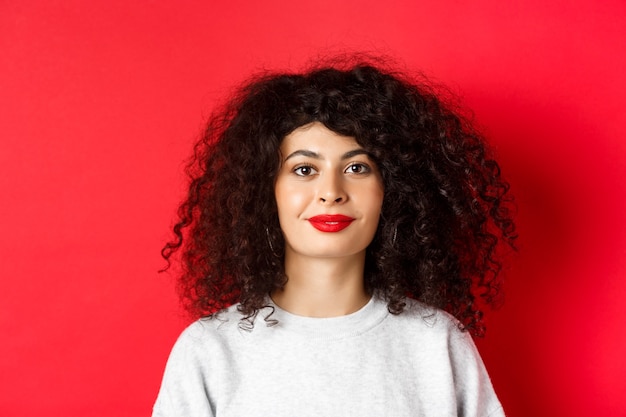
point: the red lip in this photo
(330, 222)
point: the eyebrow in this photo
(315, 155)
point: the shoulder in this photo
(199, 358)
(439, 336)
(205, 342)
(431, 328)
(209, 330)
(427, 318)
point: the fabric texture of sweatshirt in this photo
(369, 363)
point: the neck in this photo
(323, 287)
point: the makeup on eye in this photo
(355, 168)
(362, 168)
(306, 169)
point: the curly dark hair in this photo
(445, 211)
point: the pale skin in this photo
(323, 173)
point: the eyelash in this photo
(365, 169)
(298, 169)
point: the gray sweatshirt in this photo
(369, 363)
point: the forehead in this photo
(318, 138)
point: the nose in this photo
(332, 190)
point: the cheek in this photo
(289, 199)
(372, 200)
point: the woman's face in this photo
(329, 194)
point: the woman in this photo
(331, 219)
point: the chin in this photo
(326, 251)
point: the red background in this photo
(100, 102)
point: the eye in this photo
(304, 170)
(357, 168)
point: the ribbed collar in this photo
(361, 321)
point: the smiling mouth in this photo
(330, 223)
